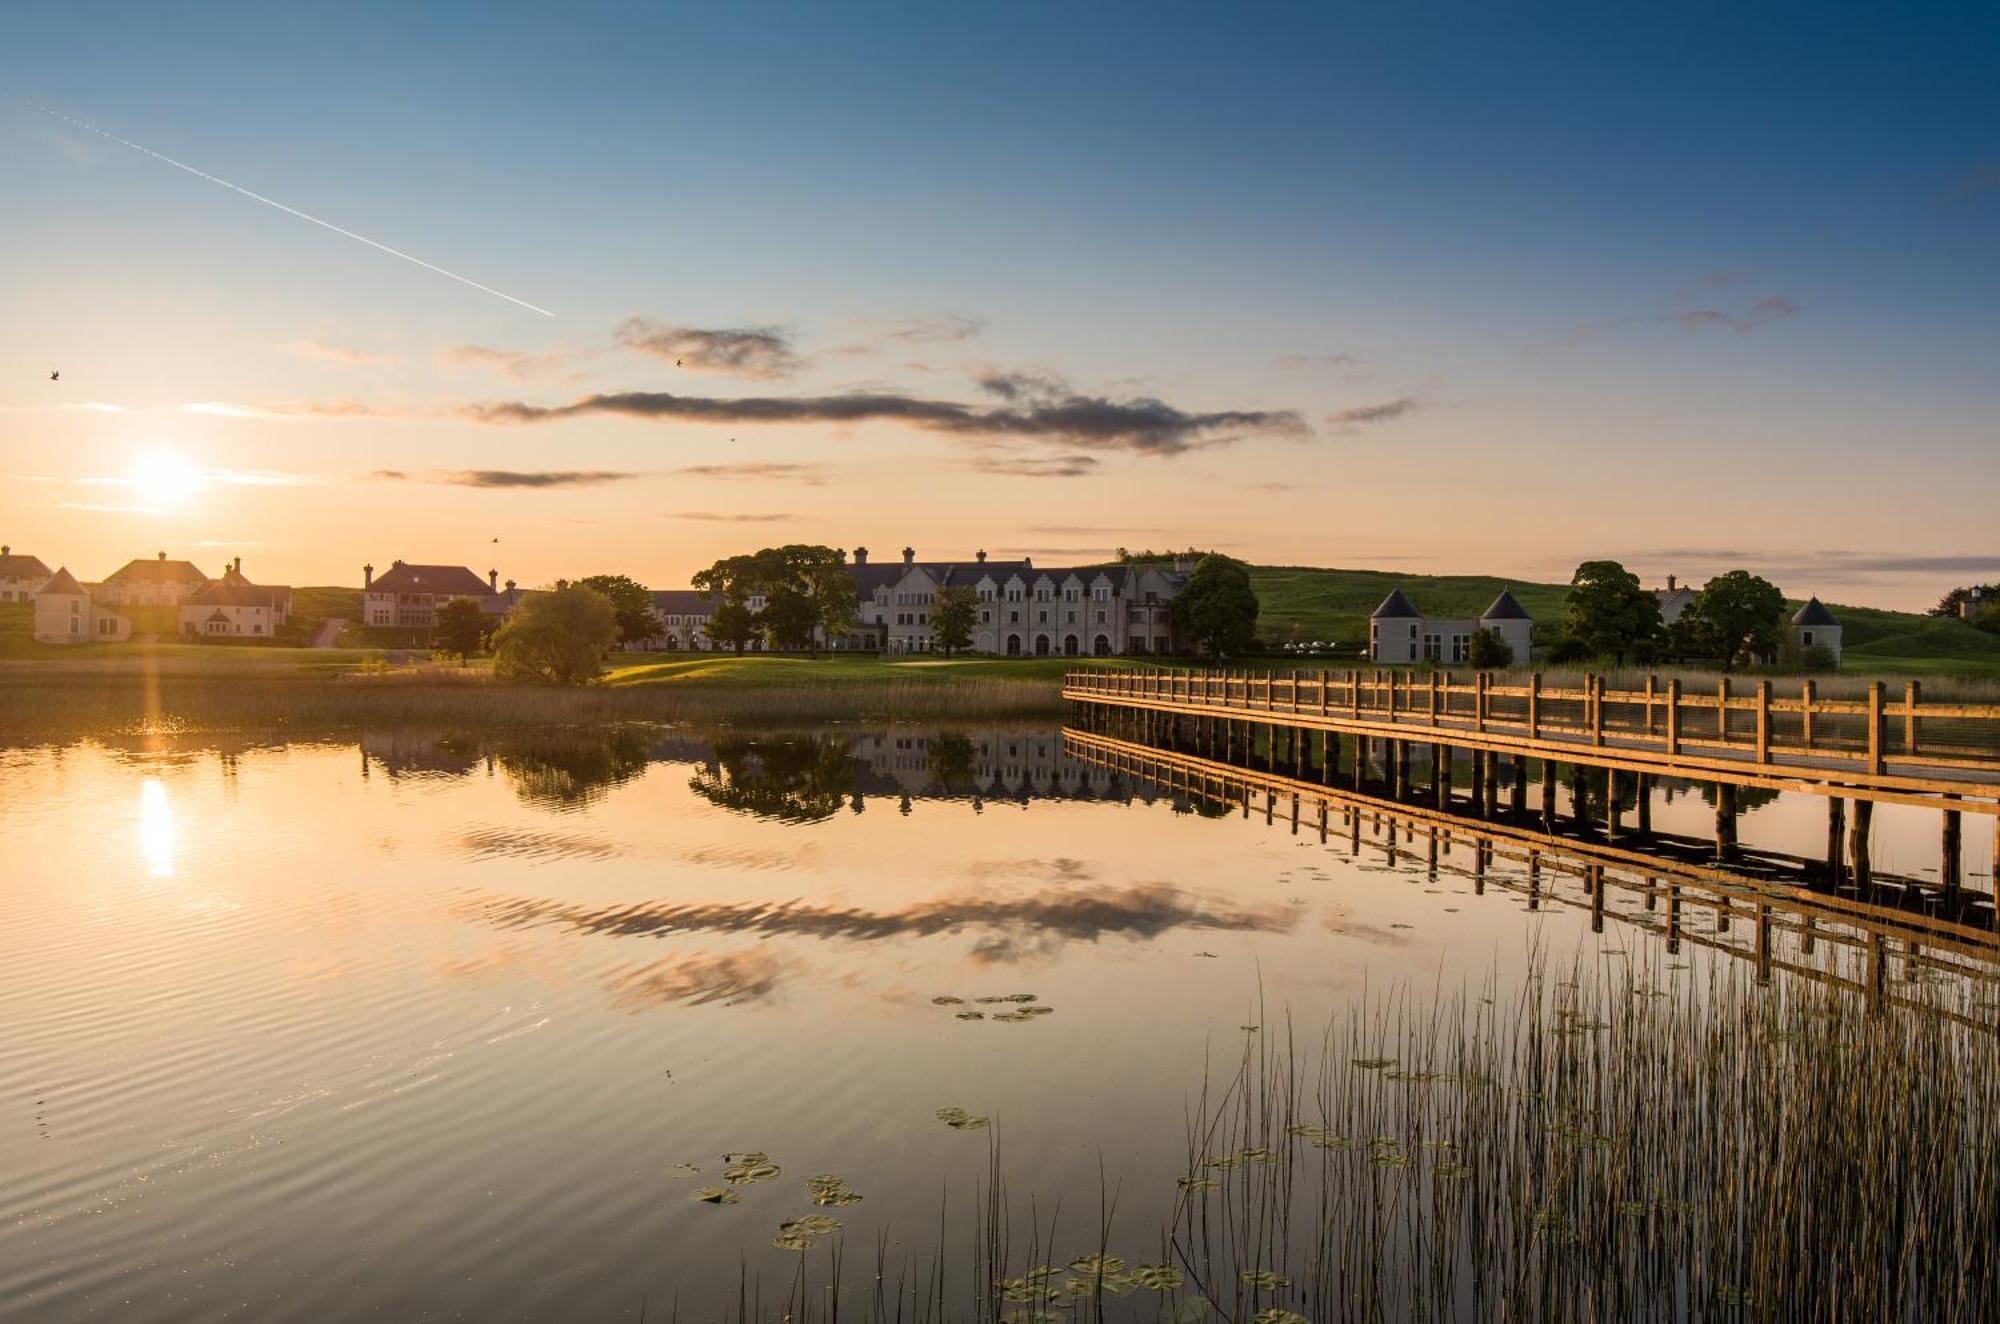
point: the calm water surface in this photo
(424, 1028)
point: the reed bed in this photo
(35, 706)
(1656, 1143)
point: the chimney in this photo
(163, 556)
(492, 581)
(367, 577)
(909, 556)
(237, 566)
(1670, 583)
(982, 556)
(510, 586)
(1183, 566)
(5, 550)
(861, 556)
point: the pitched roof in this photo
(18, 566)
(457, 580)
(682, 602)
(868, 578)
(1813, 613)
(233, 590)
(1395, 606)
(157, 570)
(64, 582)
(1505, 608)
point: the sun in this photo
(166, 480)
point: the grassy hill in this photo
(1305, 603)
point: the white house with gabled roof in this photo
(21, 576)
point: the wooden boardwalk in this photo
(1791, 928)
(1874, 750)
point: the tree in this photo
(634, 605)
(1216, 610)
(954, 611)
(1609, 615)
(1737, 616)
(805, 588)
(560, 638)
(462, 629)
(732, 623)
(1487, 651)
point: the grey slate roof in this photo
(1505, 608)
(682, 602)
(1813, 613)
(157, 570)
(16, 565)
(1395, 606)
(233, 590)
(64, 582)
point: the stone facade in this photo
(233, 607)
(407, 596)
(1019, 610)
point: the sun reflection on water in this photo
(156, 828)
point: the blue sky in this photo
(1691, 287)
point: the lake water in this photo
(414, 1027)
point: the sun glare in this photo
(166, 480)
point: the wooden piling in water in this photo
(1644, 791)
(1836, 828)
(1948, 870)
(1725, 821)
(1612, 808)
(1857, 845)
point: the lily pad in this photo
(972, 1015)
(827, 1189)
(1279, 1315)
(958, 1119)
(1264, 1280)
(1156, 1277)
(1198, 1183)
(748, 1168)
(947, 1000)
(715, 1195)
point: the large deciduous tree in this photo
(559, 638)
(1216, 610)
(805, 589)
(954, 611)
(1487, 651)
(1737, 617)
(1610, 615)
(634, 605)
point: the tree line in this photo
(1735, 619)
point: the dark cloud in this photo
(811, 475)
(1142, 426)
(760, 352)
(1362, 415)
(1023, 385)
(720, 517)
(530, 478)
(1830, 562)
(945, 328)
(1762, 313)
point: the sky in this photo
(1442, 288)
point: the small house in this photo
(68, 613)
(21, 577)
(1813, 626)
(1399, 633)
(408, 596)
(234, 607)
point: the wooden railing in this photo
(1750, 723)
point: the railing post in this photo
(1877, 724)
(1763, 721)
(1434, 699)
(1652, 689)
(1354, 689)
(1392, 695)
(1805, 714)
(1535, 705)
(1722, 710)
(1479, 701)
(1912, 693)
(1674, 715)
(1322, 691)
(1597, 710)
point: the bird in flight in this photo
(56, 375)
(677, 363)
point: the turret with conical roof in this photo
(1814, 628)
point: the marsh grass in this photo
(1645, 1144)
(35, 704)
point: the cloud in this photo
(719, 517)
(518, 364)
(287, 409)
(1084, 530)
(1142, 426)
(1295, 361)
(1761, 313)
(1058, 466)
(1351, 420)
(264, 478)
(1829, 562)
(760, 352)
(943, 328)
(510, 478)
(103, 510)
(324, 353)
(1023, 384)
(810, 475)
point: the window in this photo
(1808, 639)
(1069, 595)
(1013, 618)
(1041, 618)
(1102, 593)
(1069, 618)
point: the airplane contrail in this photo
(292, 211)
